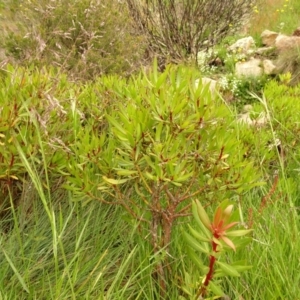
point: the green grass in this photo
(60, 249)
(274, 253)
(55, 244)
(79, 258)
(276, 15)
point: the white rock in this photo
(245, 119)
(213, 84)
(249, 68)
(263, 50)
(269, 67)
(268, 38)
(261, 121)
(285, 43)
(242, 45)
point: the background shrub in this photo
(86, 38)
(178, 29)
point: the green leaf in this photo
(203, 215)
(150, 176)
(241, 265)
(219, 273)
(199, 222)
(118, 126)
(227, 269)
(181, 105)
(150, 162)
(196, 259)
(115, 181)
(238, 232)
(102, 188)
(126, 172)
(197, 235)
(242, 242)
(161, 79)
(192, 242)
(176, 183)
(241, 268)
(185, 177)
(215, 289)
(158, 131)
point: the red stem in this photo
(210, 274)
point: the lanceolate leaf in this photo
(116, 124)
(126, 172)
(196, 259)
(192, 242)
(184, 177)
(199, 222)
(242, 242)
(219, 273)
(203, 215)
(228, 242)
(198, 236)
(227, 269)
(115, 181)
(241, 265)
(215, 289)
(239, 232)
(241, 268)
(176, 183)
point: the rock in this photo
(244, 117)
(269, 67)
(261, 121)
(285, 43)
(213, 84)
(264, 50)
(242, 45)
(247, 108)
(249, 68)
(268, 38)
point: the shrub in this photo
(86, 38)
(168, 141)
(149, 144)
(39, 122)
(30, 113)
(180, 29)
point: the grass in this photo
(76, 253)
(61, 249)
(275, 250)
(274, 254)
(54, 246)
(276, 15)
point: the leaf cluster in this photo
(210, 239)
